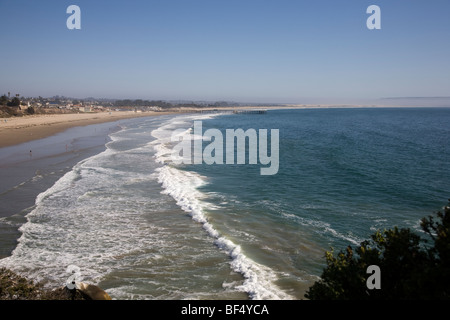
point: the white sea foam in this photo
(322, 227)
(86, 218)
(91, 219)
(107, 216)
(184, 186)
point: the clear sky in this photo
(289, 51)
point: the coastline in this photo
(14, 131)
(58, 143)
(41, 175)
(47, 165)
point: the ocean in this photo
(143, 227)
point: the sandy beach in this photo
(17, 130)
(22, 129)
(58, 142)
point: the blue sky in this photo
(288, 51)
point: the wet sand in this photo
(34, 164)
(18, 130)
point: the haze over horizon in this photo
(244, 51)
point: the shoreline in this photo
(55, 152)
(71, 135)
(14, 131)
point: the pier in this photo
(236, 111)
(250, 111)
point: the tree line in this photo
(5, 101)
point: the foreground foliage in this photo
(412, 267)
(15, 287)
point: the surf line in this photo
(213, 153)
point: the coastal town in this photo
(13, 105)
(23, 119)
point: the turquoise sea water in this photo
(142, 227)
